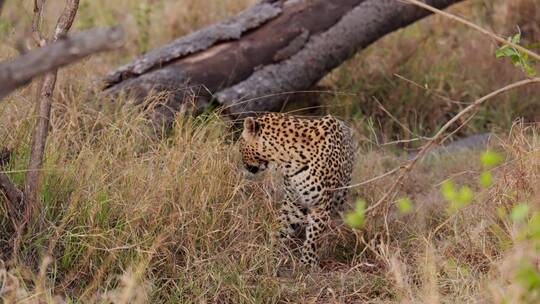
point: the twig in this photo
(36, 23)
(407, 167)
(404, 127)
(428, 90)
(474, 26)
(371, 180)
(66, 19)
(458, 128)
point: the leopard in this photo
(315, 156)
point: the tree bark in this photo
(288, 47)
(21, 70)
(363, 25)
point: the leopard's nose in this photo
(252, 169)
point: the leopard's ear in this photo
(251, 128)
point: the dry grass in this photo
(129, 218)
(428, 72)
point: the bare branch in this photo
(41, 129)
(21, 70)
(66, 19)
(408, 166)
(36, 23)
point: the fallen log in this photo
(247, 62)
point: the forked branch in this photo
(43, 108)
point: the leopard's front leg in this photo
(291, 217)
(317, 223)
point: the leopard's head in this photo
(250, 146)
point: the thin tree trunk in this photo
(41, 129)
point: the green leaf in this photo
(519, 212)
(518, 58)
(405, 205)
(461, 199)
(360, 207)
(505, 51)
(465, 195)
(516, 38)
(356, 218)
(491, 159)
(528, 277)
(534, 226)
(486, 179)
(531, 72)
(448, 190)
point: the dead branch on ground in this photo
(23, 69)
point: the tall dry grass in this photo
(130, 218)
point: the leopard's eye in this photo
(252, 169)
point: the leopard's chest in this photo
(306, 187)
